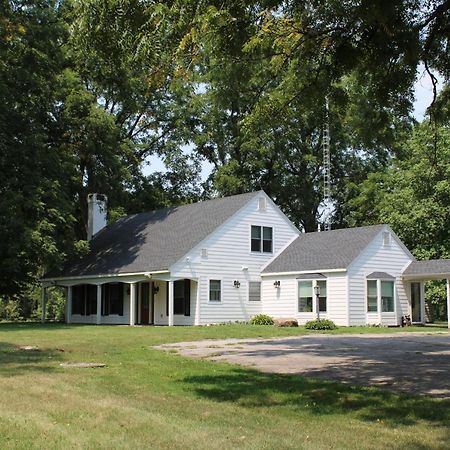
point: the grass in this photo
(146, 398)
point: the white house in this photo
(230, 258)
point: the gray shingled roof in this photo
(323, 251)
(431, 267)
(155, 240)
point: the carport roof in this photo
(433, 268)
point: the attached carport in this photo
(433, 269)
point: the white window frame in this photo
(215, 302)
(262, 253)
(314, 284)
(379, 311)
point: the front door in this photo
(145, 304)
(416, 307)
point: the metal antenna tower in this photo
(326, 170)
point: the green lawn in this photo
(146, 398)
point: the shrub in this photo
(321, 324)
(261, 319)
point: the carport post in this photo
(98, 320)
(448, 302)
(43, 303)
(69, 304)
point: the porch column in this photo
(448, 302)
(43, 303)
(69, 304)
(379, 303)
(170, 286)
(197, 304)
(99, 304)
(132, 304)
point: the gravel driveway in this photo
(413, 363)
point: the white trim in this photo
(425, 276)
(111, 275)
(301, 272)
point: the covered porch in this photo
(419, 272)
(128, 299)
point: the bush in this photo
(261, 319)
(321, 324)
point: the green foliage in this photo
(321, 324)
(261, 319)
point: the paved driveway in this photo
(412, 363)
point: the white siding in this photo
(228, 251)
(160, 306)
(378, 258)
(282, 302)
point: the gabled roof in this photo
(428, 269)
(327, 250)
(380, 275)
(155, 240)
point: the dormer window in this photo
(261, 239)
(386, 238)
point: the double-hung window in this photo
(306, 296)
(385, 291)
(254, 291)
(215, 290)
(261, 239)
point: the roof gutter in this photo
(301, 272)
(111, 275)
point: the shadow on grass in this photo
(16, 361)
(316, 397)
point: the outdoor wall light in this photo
(155, 289)
(277, 284)
(236, 284)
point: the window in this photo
(386, 238)
(254, 291)
(78, 300)
(305, 296)
(372, 296)
(181, 297)
(261, 239)
(215, 291)
(323, 295)
(84, 299)
(387, 296)
(112, 299)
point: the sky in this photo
(423, 94)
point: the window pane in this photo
(372, 304)
(387, 296)
(305, 289)
(323, 288)
(267, 233)
(371, 288)
(178, 297)
(256, 232)
(322, 304)
(305, 302)
(214, 290)
(254, 291)
(256, 245)
(372, 296)
(267, 246)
